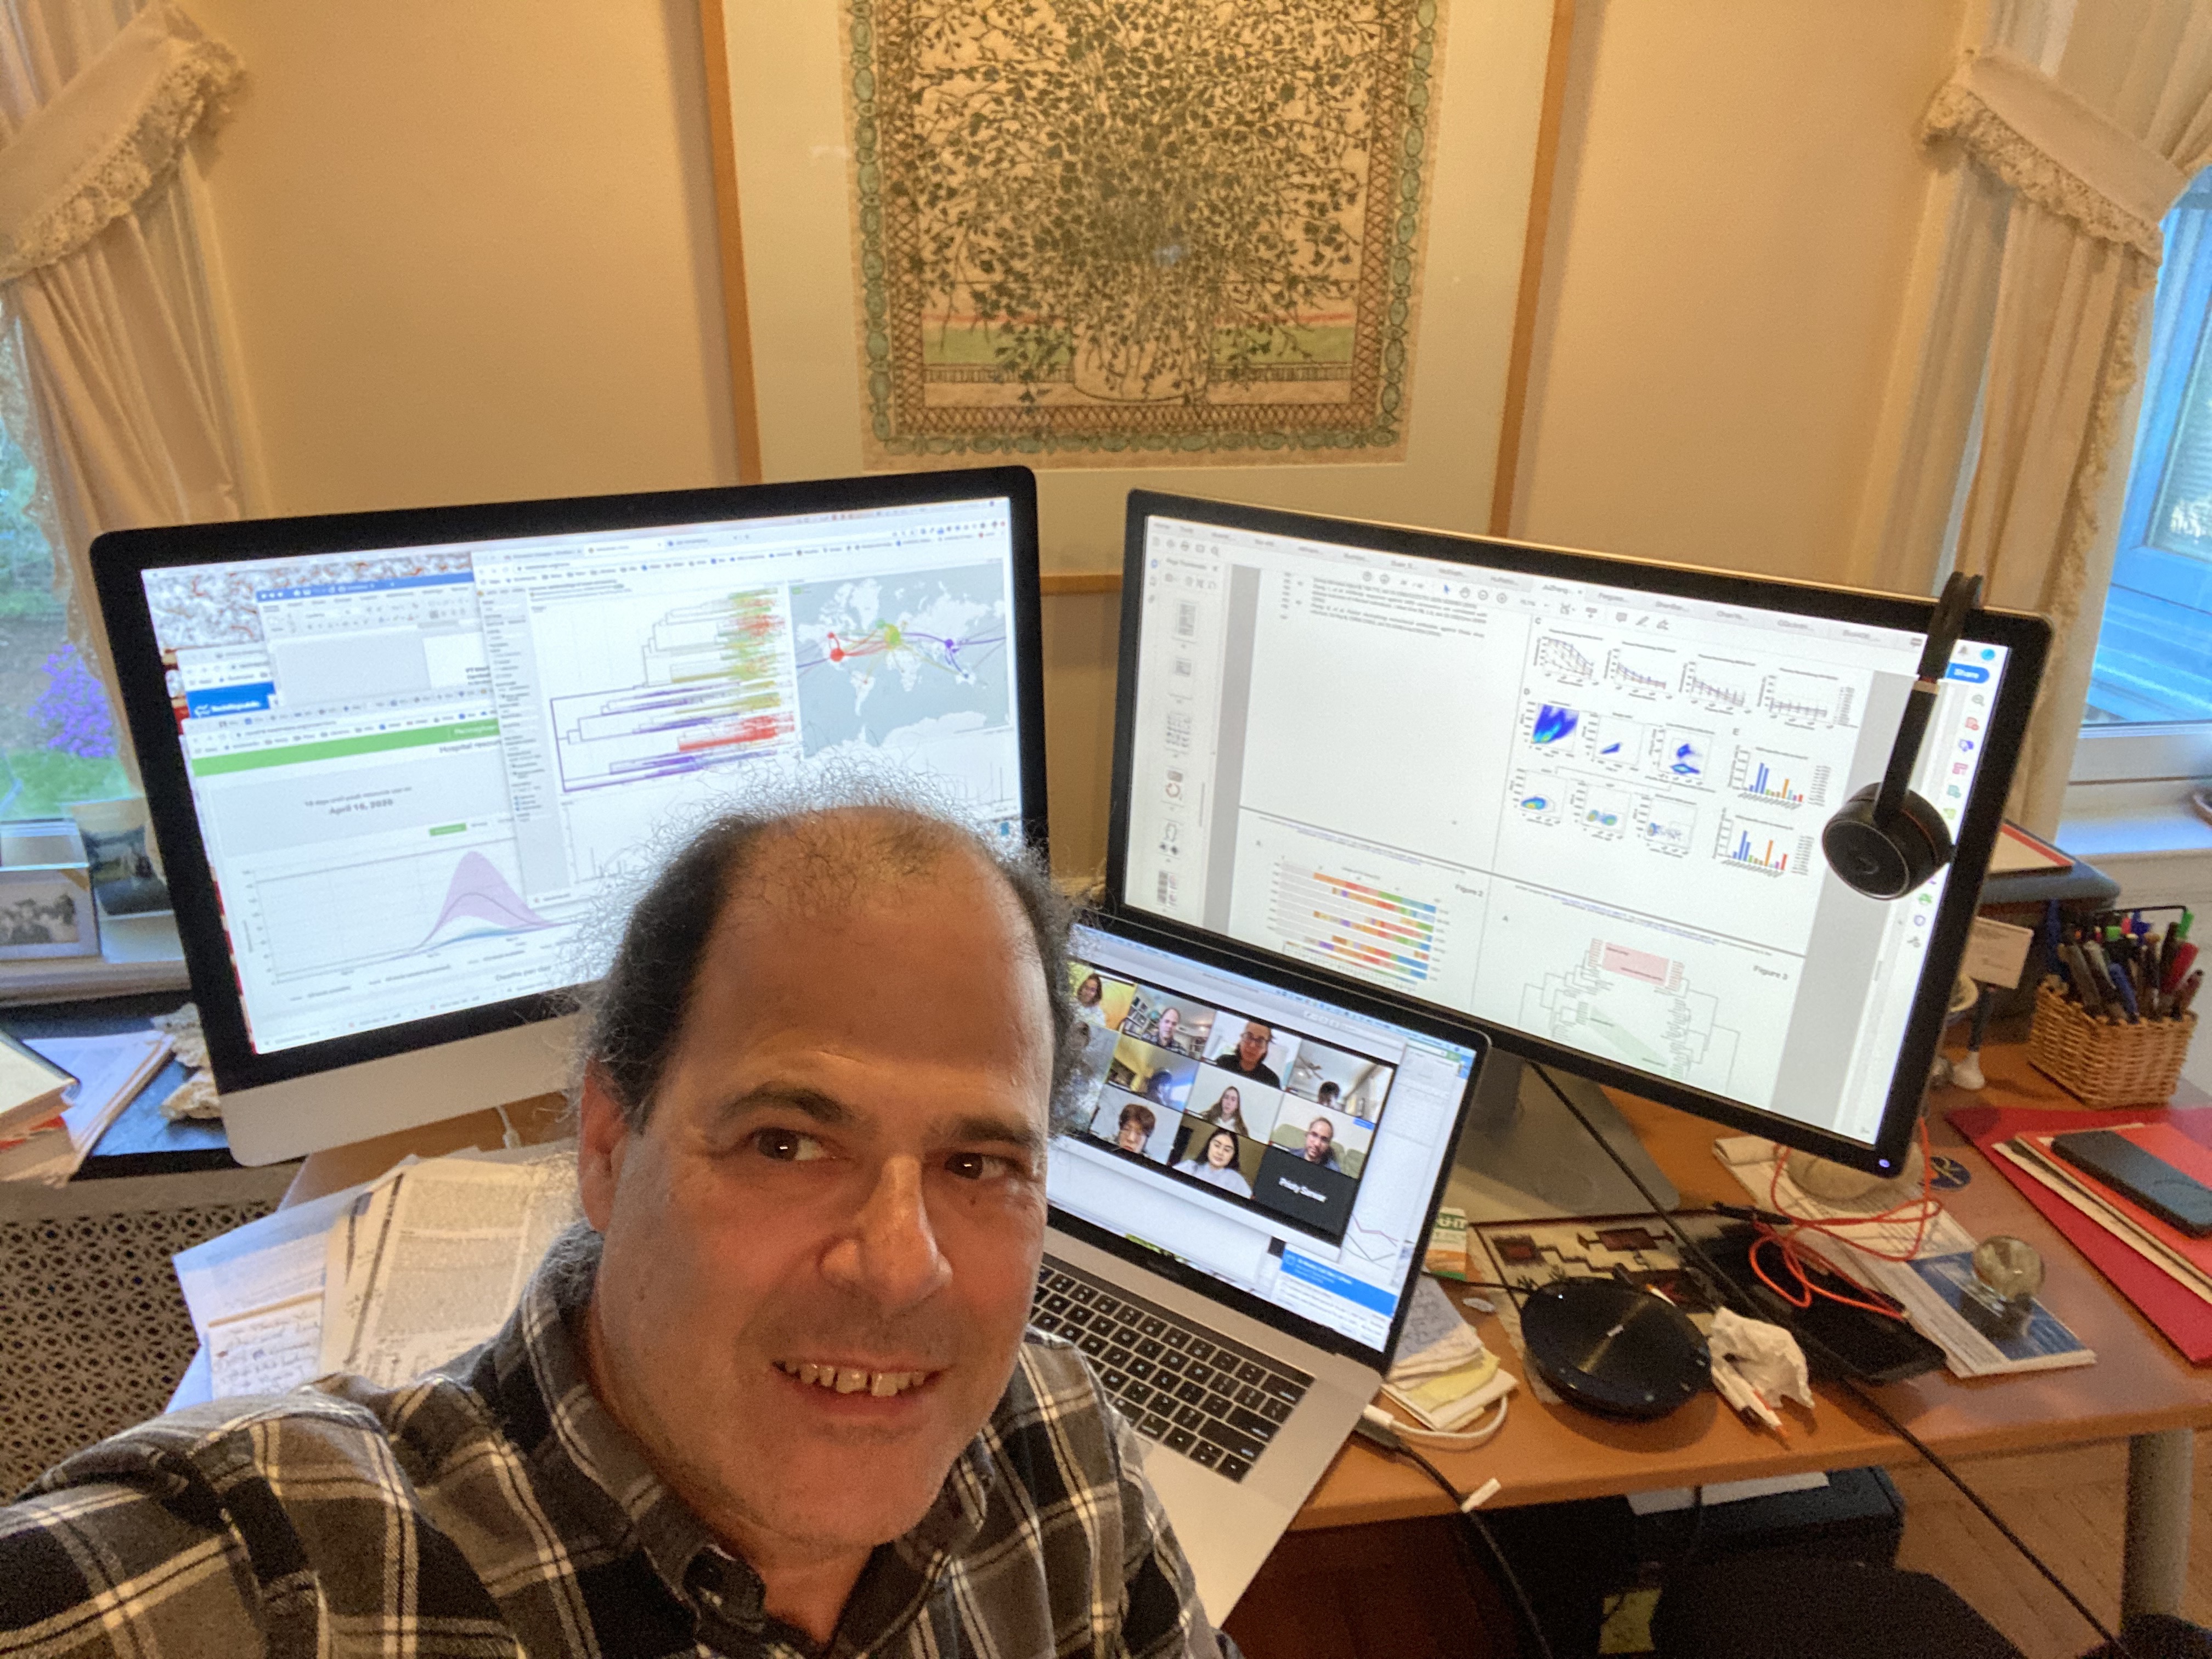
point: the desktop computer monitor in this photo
(397, 762)
(1576, 798)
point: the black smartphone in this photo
(1838, 1341)
(2178, 1199)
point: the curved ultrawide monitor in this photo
(396, 762)
(1576, 798)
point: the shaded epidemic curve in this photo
(478, 892)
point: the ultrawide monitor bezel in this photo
(121, 558)
(2026, 637)
(1211, 950)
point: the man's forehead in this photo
(934, 945)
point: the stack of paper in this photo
(387, 1281)
(110, 1071)
(1445, 1376)
(2185, 1260)
(1927, 1286)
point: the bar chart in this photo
(1358, 926)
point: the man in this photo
(1249, 1057)
(1137, 1126)
(777, 1399)
(1321, 1143)
(1170, 1018)
(1328, 1096)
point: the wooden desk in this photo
(2140, 1389)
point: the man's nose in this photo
(890, 1253)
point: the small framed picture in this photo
(45, 910)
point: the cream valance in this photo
(89, 154)
(2057, 151)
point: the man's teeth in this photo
(851, 1379)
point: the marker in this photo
(2188, 994)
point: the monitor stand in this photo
(1522, 1156)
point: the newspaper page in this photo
(1926, 1286)
(445, 1263)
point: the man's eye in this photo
(978, 1166)
(786, 1146)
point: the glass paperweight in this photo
(2000, 1298)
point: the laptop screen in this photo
(1285, 1147)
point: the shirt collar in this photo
(536, 1367)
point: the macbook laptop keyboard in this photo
(1188, 1388)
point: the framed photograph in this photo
(45, 910)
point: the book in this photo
(32, 1089)
(2016, 851)
(110, 1072)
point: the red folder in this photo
(2161, 1140)
(2184, 1318)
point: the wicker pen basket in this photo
(2107, 1063)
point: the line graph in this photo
(1640, 673)
(1803, 699)
(1717, 684)
(1564, 661)
(384, 909)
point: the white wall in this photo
(469, 249)
(1738, 197)
(470, 252)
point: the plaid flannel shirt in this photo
(494, 1509)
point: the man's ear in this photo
(603, 1136)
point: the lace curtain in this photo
(2080, 127)
(100, 253)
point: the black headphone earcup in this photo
(1886, 861)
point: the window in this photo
(57, 734)
(2154, 662)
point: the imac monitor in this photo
(398, 762)
(1576, 798)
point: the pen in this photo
(2120, 983)
(2187, 993)
(2078, 967)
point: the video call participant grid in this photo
(1271, 1117)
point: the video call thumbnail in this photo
(1267, 1116)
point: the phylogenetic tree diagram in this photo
(1638, 1008)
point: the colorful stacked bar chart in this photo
(1354, 925)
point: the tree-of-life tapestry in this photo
(1128, 232)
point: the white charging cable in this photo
(1458, 1440)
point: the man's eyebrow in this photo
(996, 1131)
(834, 1113)
(825, 1110)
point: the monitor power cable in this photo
(1724, 1289)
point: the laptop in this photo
(1239, 1208)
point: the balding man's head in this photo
(811, 1134)
(796, 868)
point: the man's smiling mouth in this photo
(854, 1379)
